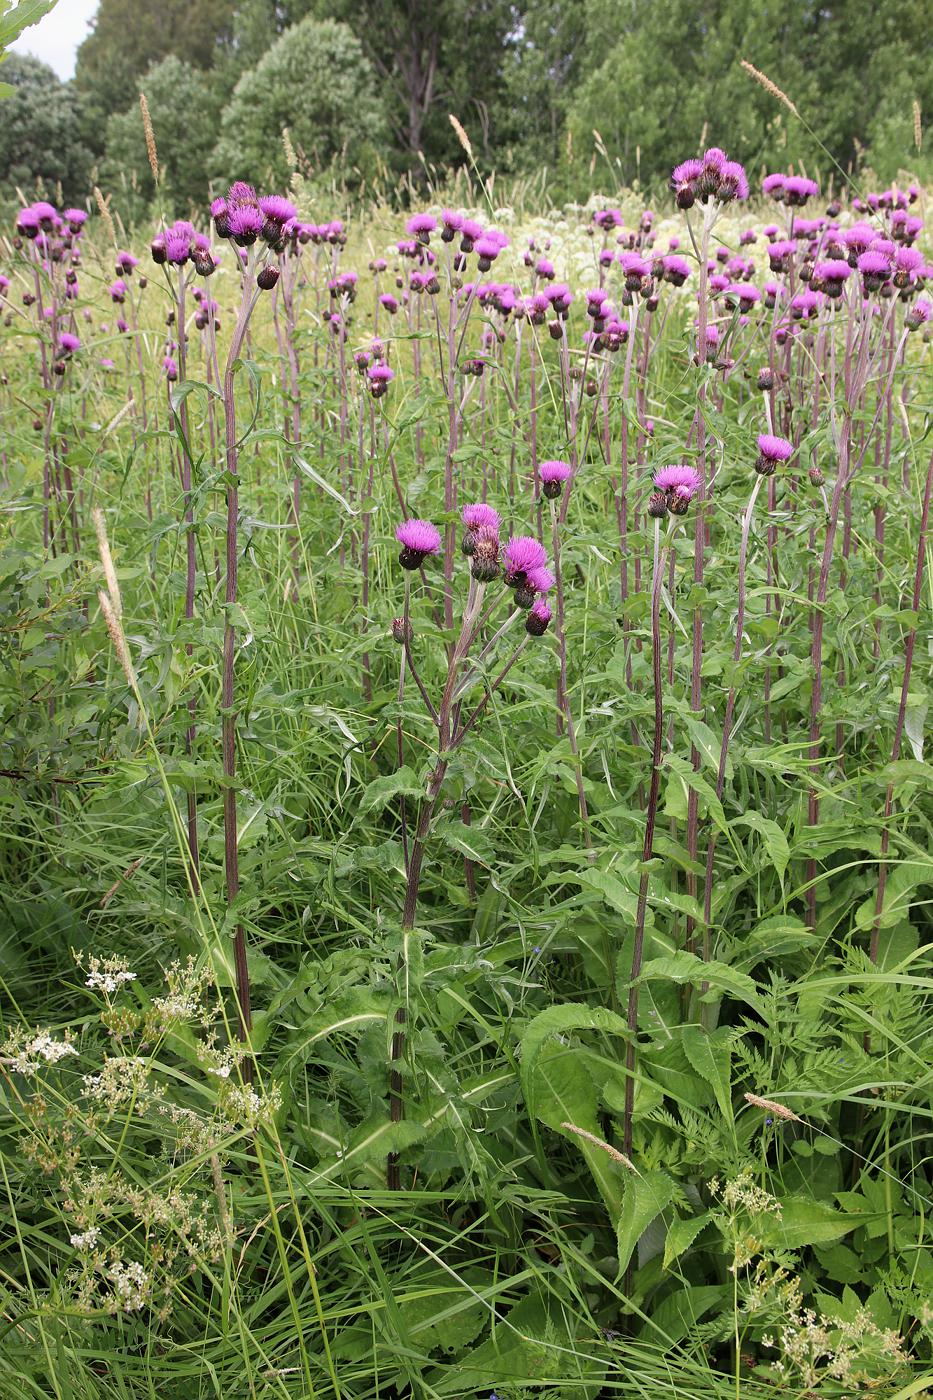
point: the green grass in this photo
(277, 1262)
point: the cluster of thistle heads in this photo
(56, 241)
(521, 562)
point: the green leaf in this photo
(710, 1054)
(706, 743)
(681, 1235)
(471, 841)
(380, 792)
(773, 837)
(687, 967)
(647, 1193)
(803, 1221)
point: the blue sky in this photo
(55, 39)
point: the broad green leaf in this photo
(710, 1054)
(681, 1235)
(773, 837)
(687, 967)
(646, 1195)
(380, 792)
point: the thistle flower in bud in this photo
(536, 623)
(919, 314)
(816, 476)
(402, 631)
(765, 380)
(680, 484)
(267, 277)
(657, 505)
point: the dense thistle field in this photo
(465, 809)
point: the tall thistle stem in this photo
(660, 560)
(231, 852)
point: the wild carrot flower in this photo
(418, 539)
(553, 474)
(771, 451)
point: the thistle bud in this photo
(267, 277)
(765, 380)
(402, 631)
(657, 505)
(816, 476)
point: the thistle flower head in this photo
(679, 483)
(418, 539)
(277, 208)
(553, 474)
(539, 580)
(379, 377)
(245, 223)
(421, 226)
(479, 516)
(177, 244)
(68, 343)
(524, 552)
(170, 369)
(771, 451)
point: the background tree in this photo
(40, 131)
(184, 104)
(316, 81)
(128, 37)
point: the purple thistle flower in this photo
(771, 451)
(177, 244)
(479, 516)
(523, 552)
(422, 226)
(68, 343)
(379, 376)
(389, 302)
(122, 327)
(919, 314)
(539, 580)
(75, 218)
(125, 261)
(418, 539)
(245, 223)
(553, 474)
(676, 270)
(773, 185)
(117, 290)
(678, 478)
(875, 267)
(170, 369)
(277, 208)
(241, 193)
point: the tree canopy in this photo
(537, 83)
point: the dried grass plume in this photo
(151, 151)
(461, 134)
(768, 86)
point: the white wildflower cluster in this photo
(27, 1052)
(184, 999)
(123, 1079)
(742, 1193)
(131, 1285)
(86, 1239)
(242, 1103)
(108, 975)
(855, 1351)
